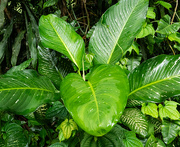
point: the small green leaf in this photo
(174, 37)
(169, 110)
(164, 26)
(147, 30)
(61, 135)
(135, 47)
(154, 142)
(16, 48)
(136, 121)
(67, 127)
(130, 140)
(49, 3)
(57, 110)
(169, 131)
(20, 67)
(150, 109)
(150, 13)
(164, 4)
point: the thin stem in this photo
(79, 72)
(83, 69)
(76, 19)
(171, 47)
(88, 20)
(174, 11)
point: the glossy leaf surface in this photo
(136, 121)
(150, 109)
(146, 30)
(112, 139)
(164, 4)
(47, 65)
(131, 140)
(169, 110)
(154, 142)
(164, 26)
(147, 80)
(169, 131)
(96, 104)
(23, 91)
(116, 30)
(58, 144)
(174, 37)
(15, 135)
(57, 34)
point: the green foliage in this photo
(91, 74)
(90, 102)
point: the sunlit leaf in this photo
(116, 30)
(135, 120)
(164, 26)
(174, 37)
(21, 92)
(150, 109)
(146, 30)
(156, 79)
(169, 110)
(57, 34)
(91, 103)
(164, 4)
(67, 127)
(169, 131)
(150, 13)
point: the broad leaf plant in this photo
(89, 88)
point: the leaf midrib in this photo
(95, 99)
(64, 44)
(25, 88)
(155, 82)
(116, 43)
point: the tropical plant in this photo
(99, 96)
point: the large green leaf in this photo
(113, 138)
(57, 34)
(154, 142)
(169, 131)
(96, 104)
(23, 91)
(156, 79)
(15, 135)
(116, 30)
(136, 121)
(164, 26)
